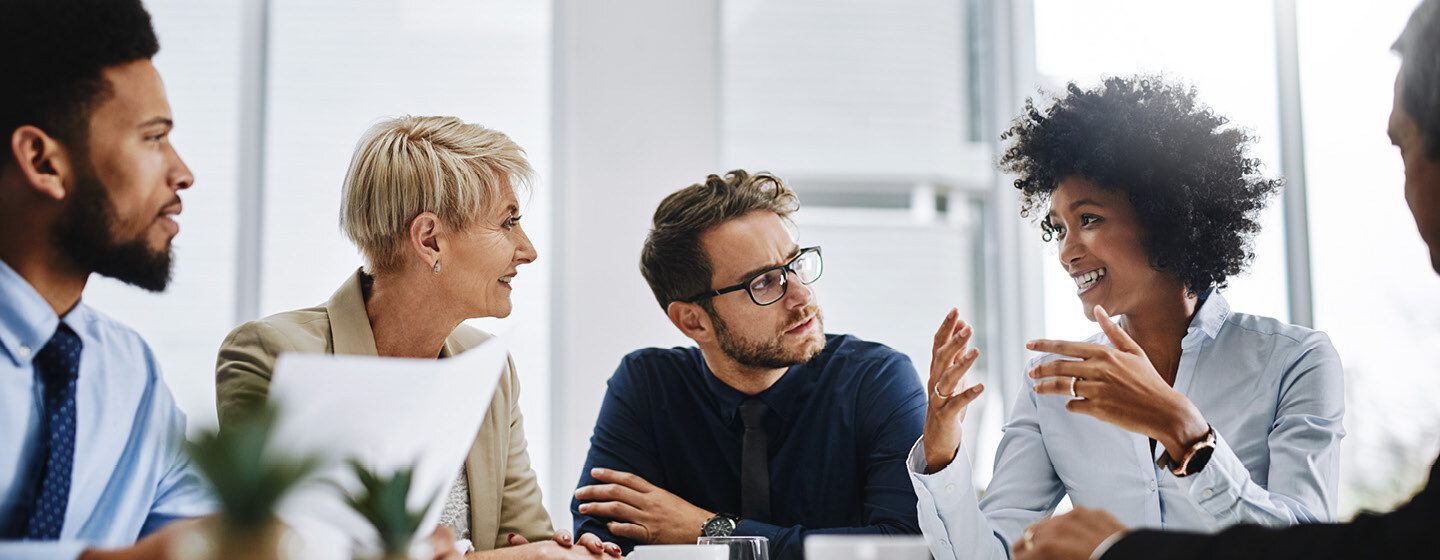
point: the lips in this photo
(803, 326)
(167, 216)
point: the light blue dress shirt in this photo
(130, 474)
(1273, 392)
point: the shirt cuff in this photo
(1107, 543)
(1217, 487)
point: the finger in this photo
(1118, 337)
(947, 327)
(1084, 406)
(608, 493)
(562, 538)
(1073, 349)
(613, 550)
(1064, 368)
(516, 540)
(1054, 386)
(953, 376)
(619, 511)
(592, 543)
(967, 396)
(621, 477)
(949, 352)
(630, 531)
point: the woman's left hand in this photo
(1118, 385)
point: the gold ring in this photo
(1027, 539)
(937, 392)
(1072, 387)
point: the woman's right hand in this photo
(950, 358)
(561, 545)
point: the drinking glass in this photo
(742, 548)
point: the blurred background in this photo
(885, 116)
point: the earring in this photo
(437, 267)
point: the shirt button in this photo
(1207, 493)
(949, 488)
(1153, 486)
(944, 544)
(23, 351)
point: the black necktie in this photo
(56, 367)
(754, 462)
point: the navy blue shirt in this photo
(839, 430)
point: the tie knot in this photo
(752, 412)
(60, 358)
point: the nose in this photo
(525, 252)
(179, 177)
(797, 293)
(1071, 249)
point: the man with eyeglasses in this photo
(769, 427)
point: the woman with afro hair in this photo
(1184, 414)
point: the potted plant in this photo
(381, 501)
(249, 483)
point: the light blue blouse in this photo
(130, 474)
(1273, 392)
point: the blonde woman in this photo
(430, 203)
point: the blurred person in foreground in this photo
(431, 204)
(1183, 415)
(1406, 532)
(91, 440)
(768, 426)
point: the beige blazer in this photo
(504, 491)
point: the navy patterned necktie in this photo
(56, 367)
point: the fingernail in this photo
(596, 471)
(512, 535)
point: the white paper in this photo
(388, 413)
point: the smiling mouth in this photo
(1088, 280)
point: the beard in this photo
(765, 354)
(85, 232)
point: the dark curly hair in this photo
(1195, 191)
(56, 51)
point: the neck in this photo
(746, 379)
(1159, 327)
(45, 268)
(406, 321)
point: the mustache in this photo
(802, 313)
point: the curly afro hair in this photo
(1195, 191)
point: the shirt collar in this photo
(780, 397)
(26, 320)
(1208, 320)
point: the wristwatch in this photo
(722, 525)
(1195, 458)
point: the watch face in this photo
(718, 526)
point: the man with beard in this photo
(769, 427)
(90, 437)
(1407, 532)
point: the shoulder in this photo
(1272, 333)
(305, 330)
(113, 338)
(659, 366)
(848, 357)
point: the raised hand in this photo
(1120, 386)
(950, 358)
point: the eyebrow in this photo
(1078, 204)
(164, 121)
(751, 274)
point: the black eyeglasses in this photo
(770, 285)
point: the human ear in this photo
(42, 161)
(691, 319)
(425, 237)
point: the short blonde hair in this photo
(409, 165)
